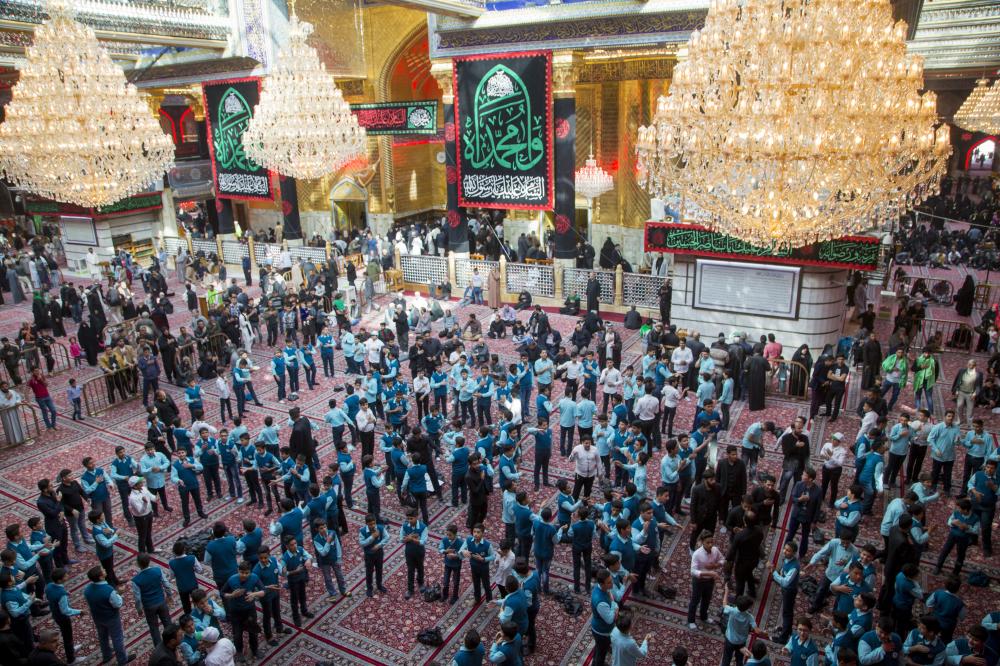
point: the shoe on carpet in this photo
(692, 626)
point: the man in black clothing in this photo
(12, 650)
(705, 500)
(421, 445)
(795, 448)
(44, 653)
(871, 358)
(744, 554)
(806, 498)
(899, 550)
(837, 377)
(731, 476)
(475, 479)
(165, 653)
(55, 525)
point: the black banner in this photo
(228, 109)
(854, 252)
(565, 167)
(458, 227)
(397, 117)
(503, 112)
(291, 225)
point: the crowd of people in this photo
(455, 425)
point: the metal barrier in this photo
(31, 357)
(463, 271)
(103, 392)
(641, 290)
(174, 245)
(941, 291)
(574, 281)
(539, 280)
(234, 251)
(796, 383)
(266, 253)
(314, 254)
(207, 246)
(20, 424)
(928, 335)
(422, 270)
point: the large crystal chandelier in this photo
(302, 127)
(76, 130)
(967, 116)
(793, 122)
(983, 114)
(591, 180)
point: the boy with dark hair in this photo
(151, 593)
(373, 538)
(240, 591)
(413, 535)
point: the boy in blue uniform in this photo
(800, 646)
(787, 578)
(459, 459)
(240, 591)
(374, 478)
(296, 563)
(267, 570)
(184, 566)
(106, 537)
(962, 525)
(329, 555)
(739, 625)
(184, 472)
(480, 553)
(546, 536)
(373, 538)
(581, 535)
(151, 593)
(506, 648)
(604, 612)
(208, 456)
(413, 535)
(449, 549)
(58, 597)
(95, 486)
(105, 609)
(881, 647)
(472, 651)
(543, 451)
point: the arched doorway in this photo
(981, 155)
(349, 205)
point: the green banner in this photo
(397, 117)
(855, 252)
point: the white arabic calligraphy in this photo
(243, 184)
(503, 187)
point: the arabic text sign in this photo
(397, 117)
(503, 126)
(228, 109)
(854, 252)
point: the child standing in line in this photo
(373, 538)
(504, 566)
(75, 394)
(296, 561)
(738, 628)
(413, 535)
(449, 549)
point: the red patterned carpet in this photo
(383, 630)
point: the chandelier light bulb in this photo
(76, 130)
(592, 181)
(302, 127)
(790, 124)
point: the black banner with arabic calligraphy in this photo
(853, 252)
(458, 228)
(503, 112)
(565, 168)
(228, 109)
(397, 117)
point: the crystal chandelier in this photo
(967, 117)
(984, 116)
(302, 127)
(76, 130)
(591, 180)
(796, 122)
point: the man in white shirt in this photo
(373, 345)
(220, 650)
(93, 264)
(671, 398)
(140, 504)
(611, 382)
(681, 358)
(647, 410)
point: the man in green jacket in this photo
(895, 369)
(925, 372)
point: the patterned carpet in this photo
(382, 630)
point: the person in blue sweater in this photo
(800, 646)
(184, 567)
(326, 346)
(581, 536)
(296, 566)
(17, 606)
(947, 606)
(906, 592)
(95, 487)
(459, 459)
(373, 538)
(105, 605)
(151, 592)
(524, 519)
(413, 536)
(472, 652)
(740, 624)
(480, 554)
(506, 648)
(923, 645)
(374, 478)
(882, 646)
(240, 592)
(106, 538)
(786, 576)
(982, 488)
(450, 549)
(278, 371)
(543, 451)
(415, 481)
(268, 570)
(184, 472)
(221, 554)
(962, 526)
(62, 613)
(230, 450)
(604, 613)
(514, 605)
(329, 556)
(545, 535)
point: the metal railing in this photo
(314, 254)
(641, 289)
(103, 392)
(536, 279)
(574, 282)
(207, 246)
(266, 251)
(463, 271)
(173, 244)
(124, 329)
(940, 333)
(234, 251)
(424, 270)
(795, 385)
(31, 357)
(941, 291)
(19, 424)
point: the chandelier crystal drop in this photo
(592, 181)
(76, 131)
(967, 116)
(302, 127)
(796, 122)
